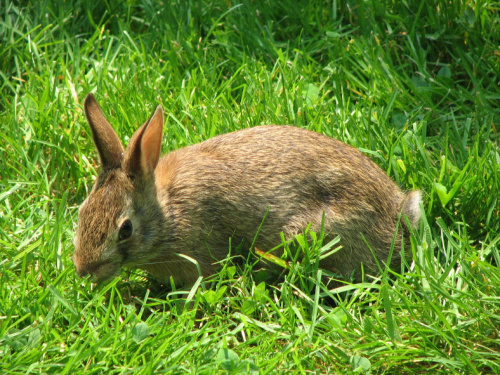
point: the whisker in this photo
(159, 262)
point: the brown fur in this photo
(194, 199)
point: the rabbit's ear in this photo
(143, 151)
(107, 142)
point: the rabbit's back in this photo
(226, 186)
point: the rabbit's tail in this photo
(411, 207)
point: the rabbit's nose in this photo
(82, 273)
(82, 270)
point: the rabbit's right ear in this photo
(105, 138)
(143, 151)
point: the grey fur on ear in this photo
(106, 140)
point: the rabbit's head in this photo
(109, 227)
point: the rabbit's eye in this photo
(125, 230)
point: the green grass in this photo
(413, 84)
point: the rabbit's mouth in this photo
(97, 272)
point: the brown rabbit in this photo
(145, 210)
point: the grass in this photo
(413, 84)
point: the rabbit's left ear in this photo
(105, 138)
(143, 151)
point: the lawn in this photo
(414, 84)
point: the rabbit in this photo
(145, 211)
